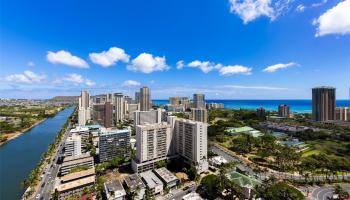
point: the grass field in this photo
(334, 148)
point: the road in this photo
(326, 192)
(47, 183)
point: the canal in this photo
(20, 155)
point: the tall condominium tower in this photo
(145, 98)
(137, 97)
(199, 115)
(283, 110)
(153, 143)
(198, 101)
(191, 142)
(84, 100)
(84, 108)
(118, 107)
(323, 103)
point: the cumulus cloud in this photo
(249, 10)
(334, 21)
(66, 58)
(131, 83)
(300, 8)
(180, 64)
(27, 76)
(235, 69)
(276, 67)
(205, 66)
(78, 79)
(147, 63)
(110, 57)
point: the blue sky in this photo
(228, 49)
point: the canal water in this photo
(20, 155)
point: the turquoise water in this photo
(298, 106)
(20, 155)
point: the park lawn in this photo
(310, 151)
(328, 147)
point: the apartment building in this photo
(114, 142)
(72, 146)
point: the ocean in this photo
(296, 106)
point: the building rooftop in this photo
(242, 180)
(105, 132)
(166, 175)
(77, 175)
(73, 162)
(133, 181)
(151, 179)
(192, 196)
(79, 129)
(324, 87)
(70, 158)
(77, 183)
(239, 129)
(114, 189)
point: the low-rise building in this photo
(169, 179)
(153, 183)
(134, 184)
(83, 132)
(76, 186)
(192, 196)
(71, 162)
(114, 190)
(217, 161)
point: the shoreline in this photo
(19, 133)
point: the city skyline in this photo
(224, 49)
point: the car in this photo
(37, 196)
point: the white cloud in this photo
(78, 79)
(235, 69)
(335, 20)
(319, 3)
(147, 63)
(180, 64)
(276, 67)
(66, 58)
(249, 10)
(31, 64)
(110, 57)
(205, 66)
(131, 83)
(27, 76)
(300, 8)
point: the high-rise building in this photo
(191, 142)
(103, 114)
(72, 146)
(132, 108)
(174, 101)
(323, 103)
(137, 97)
(113, 142)
(283, 110)
(198, 101)
(118, 107)
(215, 106)
(260, 112)
(84, 100)
(342, 113)
(153, 145)
(145, 99)
(149, 117)
(199, 114)
(84, 112)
